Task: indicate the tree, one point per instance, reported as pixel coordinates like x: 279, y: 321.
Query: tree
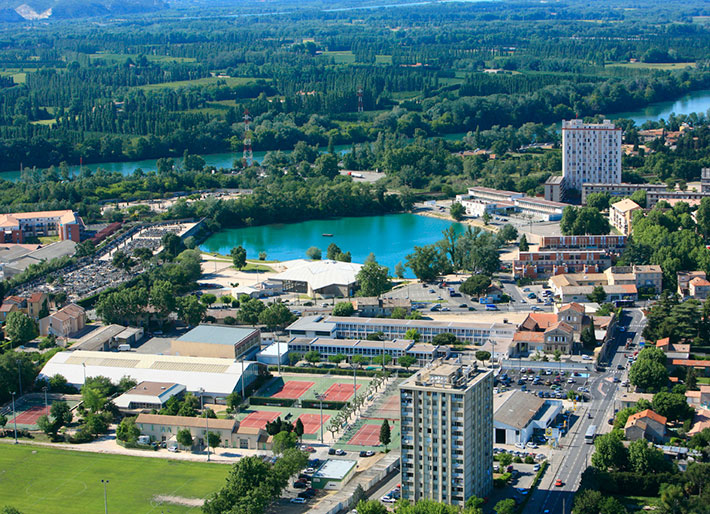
x: 523, y: 246
x: 645, y: 459
x: 691, y: 380
x: 609, y: 452
x: 162, y: 297
x: 332, y: 252
x: 337, y: 358
x: 673, y: 500
x: 3, y: 420
x: 505, y: 507
x: 385, y: 434
x: 648, y: 375
x: 444, y: 339
x: 598, y: 201
x: 583, y: 221
x: 373, y: 279
x: 184, y: 437
x: 399, y: 270
x: 370, y: 507
x: 276, y: 315
x: 557, y: 353
x: 589, y: 501
x: 213, y: 439
x: 97, y: 423
x: 505, y: 459
x: 249, y: 310
x: 61, y: 413
x: 343, y: 309
x: 312, y: 356
x: 475, y: 285
x: 127, y: 430
x: 262, y: 256
x: 379, y: 358
x: 239, y: 257
x: 313, y: 253
x: 299, y: 429
x: 486, y: 218
x: 189, y: 406
x: 672, y: 406
x: 208, y: 299
x: 508, y: 233
x: 190, y: 310
x: 20, y: 328
x: 588, y: 338
x: 406, y: 361
x: 483, y: 355
x: 284, y: 441
x: 398, y: 313
x: 233, y: 401
x: 412, y: 334
x: 359, y: 495
x: 46, y: 425
x: 457, y: 211
x: 598, y: 295
x: 93, y: 398
x: 427, y: 263
x: 327, y: 166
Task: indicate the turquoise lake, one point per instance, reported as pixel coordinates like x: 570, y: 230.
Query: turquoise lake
x: 389, y: 237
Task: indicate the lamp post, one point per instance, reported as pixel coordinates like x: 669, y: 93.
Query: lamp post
x: 105, y: 482
x: 14, y: 415
x: 46, y: 405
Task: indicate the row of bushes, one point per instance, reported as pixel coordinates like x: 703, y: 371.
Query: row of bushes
x: 267, y: 400
x: 336, y: 371
x: 621, y: 482
x: 327, y: 404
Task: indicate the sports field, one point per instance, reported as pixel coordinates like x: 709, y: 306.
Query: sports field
x: 28, y: 411
x: 37, y: 480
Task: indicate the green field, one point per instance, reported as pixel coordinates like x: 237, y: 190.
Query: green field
x: 206, y: 81
x: 40, y: 480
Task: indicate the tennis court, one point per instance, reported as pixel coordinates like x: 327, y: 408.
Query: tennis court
x: 28, y: 410
x: 259, y: 418
x: 368, y: 435
x: 340, y: 392
x: 388, y: 409
x: 311, y: 422
x: 30, y: 416
x: 293, y: 389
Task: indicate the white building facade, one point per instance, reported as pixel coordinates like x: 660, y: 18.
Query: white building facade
x: 591, y: 152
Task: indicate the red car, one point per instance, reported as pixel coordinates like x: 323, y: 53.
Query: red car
x: 558, y: 483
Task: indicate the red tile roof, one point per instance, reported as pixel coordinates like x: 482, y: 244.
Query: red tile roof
x: 688, y: 363
x: 528, y: 336
x: 648, y: 413
x: 663, y: 342
x: 574, y: 306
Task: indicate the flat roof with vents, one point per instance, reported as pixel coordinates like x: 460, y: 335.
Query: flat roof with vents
x: 214, y: 375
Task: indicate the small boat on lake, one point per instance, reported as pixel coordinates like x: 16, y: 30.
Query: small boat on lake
x: 327, y: 235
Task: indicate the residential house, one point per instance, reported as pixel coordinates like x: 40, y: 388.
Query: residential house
x: 673, y: 351
x: 7, y: 308
x: 621, y: 214
x: 646, y: 424
x: 699, y: 399
x: 37, y: 305
x: 66, y: 322
x: 627, y: 400
x: 684, y: 278
x: 699, y: 288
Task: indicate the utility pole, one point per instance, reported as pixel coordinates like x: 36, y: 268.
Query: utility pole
x: 46, y: 405
x: 320, y: 397
x: 207, y: 421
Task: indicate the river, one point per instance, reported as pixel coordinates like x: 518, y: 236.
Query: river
x: 697, y: 101
x: 389, y: 237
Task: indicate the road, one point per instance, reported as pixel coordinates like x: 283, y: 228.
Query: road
x: 569, y: 461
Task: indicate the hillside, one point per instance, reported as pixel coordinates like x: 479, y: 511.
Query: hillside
x: 21, y: 10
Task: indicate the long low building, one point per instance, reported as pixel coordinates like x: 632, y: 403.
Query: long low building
x: 211, y: 377
x: 423, y: 352
x: 545, y: 263
x: 612, y: 242
x: 518, y: 415
x: 339, y: 327
x: 483, y: 199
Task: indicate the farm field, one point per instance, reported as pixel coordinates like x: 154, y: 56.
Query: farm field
x: 206, y: 81
x: 36, y: 479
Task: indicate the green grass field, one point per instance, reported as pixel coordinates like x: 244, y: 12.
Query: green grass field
x: 206, y: 81
x: 39, y: 480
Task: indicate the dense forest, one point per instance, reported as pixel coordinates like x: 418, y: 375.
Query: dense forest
x: 150, y: 87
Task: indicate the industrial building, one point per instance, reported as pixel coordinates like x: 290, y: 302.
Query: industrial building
x: 212, y: 378
x: 447, y: 433
x: 217, y: 341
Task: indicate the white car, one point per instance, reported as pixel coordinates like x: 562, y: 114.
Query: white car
x: 520, y: 445
x: 388, y: 499
x: 531, y: 445
x: 586, y: 358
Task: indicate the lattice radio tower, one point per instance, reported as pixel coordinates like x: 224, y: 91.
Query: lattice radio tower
x: 360, y: 107
x: 248, y: 156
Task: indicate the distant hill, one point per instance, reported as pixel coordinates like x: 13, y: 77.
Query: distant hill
x: 21, y: 10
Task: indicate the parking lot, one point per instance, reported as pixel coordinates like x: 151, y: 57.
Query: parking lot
x: 545, y: 383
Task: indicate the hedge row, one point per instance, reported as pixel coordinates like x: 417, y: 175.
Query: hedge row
x: 279, y: 402
x: 327, y: 404
x: 334, y: 371
x: 621, y: 482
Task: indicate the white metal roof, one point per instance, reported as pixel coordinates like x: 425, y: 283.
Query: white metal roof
x: 217, y: 376
x: 320, y: 274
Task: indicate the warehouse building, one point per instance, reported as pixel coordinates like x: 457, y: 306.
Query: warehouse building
x: 217, y: 341
x: 326, y: 278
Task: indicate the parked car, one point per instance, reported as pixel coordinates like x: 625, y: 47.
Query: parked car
x: 331, y: 451
x: 300, y: 485
x: 340, y: 452
x: 387, y: 499
x: 298, y: 500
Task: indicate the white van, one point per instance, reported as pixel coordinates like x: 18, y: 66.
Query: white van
x: 124, y: 347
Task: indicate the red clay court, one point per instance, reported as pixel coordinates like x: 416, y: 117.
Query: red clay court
x: 340, y: 392
x: 293, y: 389
x: 311, y: 422
x: 259, y: 419
x: 368, y: 435
x: 388, y: 410
x: 30, y: 416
